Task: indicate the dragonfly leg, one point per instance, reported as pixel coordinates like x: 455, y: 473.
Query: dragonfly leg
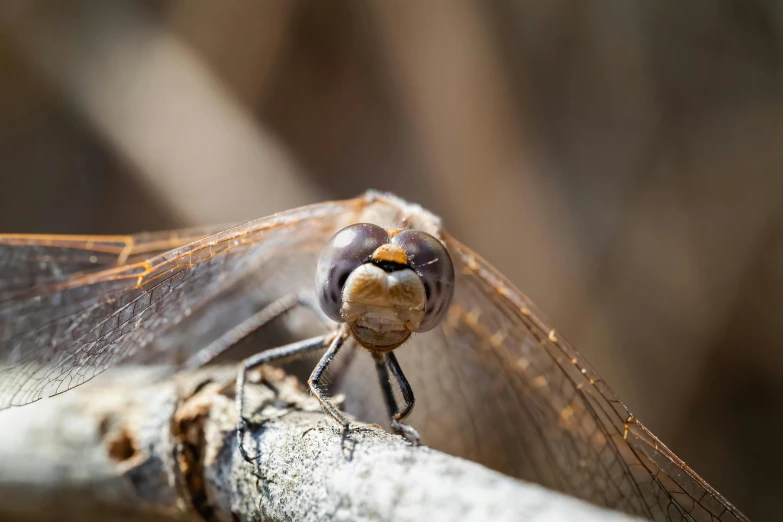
x: 384, y: 363
x: 318, y: 371
x: 312, y: 344
x: 253, y: 323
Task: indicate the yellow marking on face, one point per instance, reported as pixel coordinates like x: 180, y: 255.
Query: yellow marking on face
x: 525, y: 310
x: 390, y: 253
x: 367, y: 289
x: 405, y: 292
x: 370, y: 285
x: 393, y: 231
x: 552, y: 336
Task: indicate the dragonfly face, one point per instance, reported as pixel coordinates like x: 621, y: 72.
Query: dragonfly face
x: 494, y: 381
x: 385, y: 285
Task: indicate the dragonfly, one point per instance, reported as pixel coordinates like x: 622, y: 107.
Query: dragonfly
x: 494, y: 381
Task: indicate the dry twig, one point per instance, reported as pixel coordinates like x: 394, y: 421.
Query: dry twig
x: 132, y: 446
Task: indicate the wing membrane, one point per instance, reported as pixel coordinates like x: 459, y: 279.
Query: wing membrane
x: 67, y: 331
x: 598, y: 449
x: 29, y: 260
x: 495, y: 383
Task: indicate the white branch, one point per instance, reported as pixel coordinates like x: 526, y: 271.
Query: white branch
x: 127, y: 446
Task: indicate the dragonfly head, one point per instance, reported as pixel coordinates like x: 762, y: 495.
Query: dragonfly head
x: 384, y: 284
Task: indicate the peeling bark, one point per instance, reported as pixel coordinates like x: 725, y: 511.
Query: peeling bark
x: 131, y: 446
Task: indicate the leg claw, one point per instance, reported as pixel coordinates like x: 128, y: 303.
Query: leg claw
x: 406, y: 431
x: 346, y: 431
x: 241, y: 427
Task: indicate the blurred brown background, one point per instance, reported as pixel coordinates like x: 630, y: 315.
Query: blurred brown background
x: 620, y: 161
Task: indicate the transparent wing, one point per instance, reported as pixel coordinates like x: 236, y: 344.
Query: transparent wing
x: 28, y: 260
x: 498, y: 385
x: 64, y: 331
x: 495, y: 383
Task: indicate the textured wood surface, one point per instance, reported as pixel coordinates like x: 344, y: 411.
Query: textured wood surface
x: 135, y: 445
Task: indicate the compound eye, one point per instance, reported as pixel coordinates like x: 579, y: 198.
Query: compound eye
x: 345, y: 251
x: 431, y: 261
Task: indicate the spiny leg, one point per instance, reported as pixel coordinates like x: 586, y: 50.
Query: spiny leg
x: 383, y: 363
x: 386, y: 387
x: 270, y: 312
x: 312, y: 344
x: 315, y: 378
